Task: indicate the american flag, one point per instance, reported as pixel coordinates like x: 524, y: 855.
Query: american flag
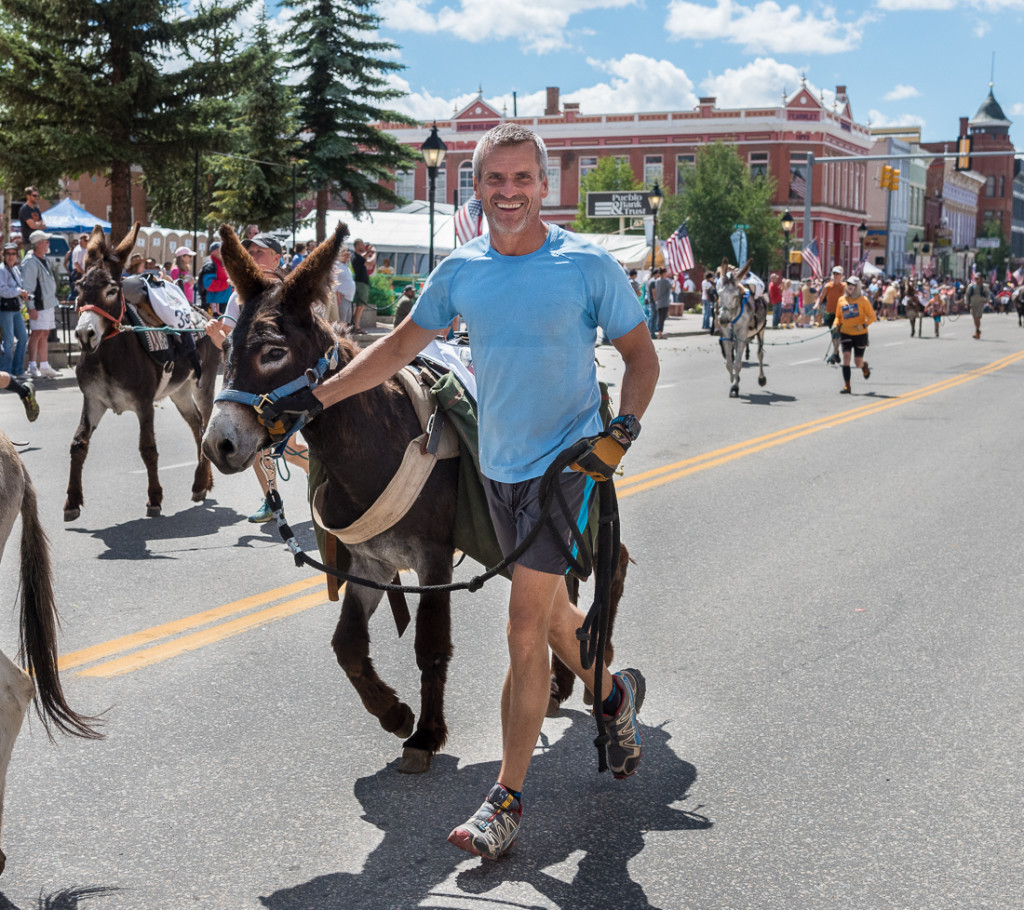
x: 678, y: 252
x: 469, y: 220
x: 864, y: 259
x: 797, y: 185
x: 1019, y: 275
x: 812, y: 258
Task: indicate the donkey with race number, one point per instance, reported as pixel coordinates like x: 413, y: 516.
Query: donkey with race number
x: 128, y: 364
x: 361, y: 444
x: 742, y: 316
x: 37, y: 623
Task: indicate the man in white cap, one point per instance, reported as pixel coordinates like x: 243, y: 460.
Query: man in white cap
x: 853, y: 316
x: 38, y: 280
x: 830, y: 293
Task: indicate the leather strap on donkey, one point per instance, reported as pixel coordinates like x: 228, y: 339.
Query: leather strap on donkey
x: 593, y: 634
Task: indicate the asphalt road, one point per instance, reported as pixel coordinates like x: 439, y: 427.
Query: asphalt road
x: 825, y: 603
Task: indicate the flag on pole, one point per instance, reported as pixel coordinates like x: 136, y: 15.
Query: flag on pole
x: 864, y: 258
x: 469, y: 220
x: 1009, y: 274
x: 678, y: 251
x: 1019, y: 275
x: 812, y: 258
x: 797, y: 185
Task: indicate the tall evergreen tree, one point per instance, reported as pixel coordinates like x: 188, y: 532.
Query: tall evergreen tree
x: 91, y: 85
x: 254, y: 183
x: 343, y: 86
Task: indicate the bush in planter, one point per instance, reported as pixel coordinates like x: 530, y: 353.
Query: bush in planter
x: 381, y: 295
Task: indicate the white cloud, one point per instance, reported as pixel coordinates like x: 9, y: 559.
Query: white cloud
x: 759, y: 83
x: 877, y: 118
x: 939, y: 5
x: 636, y: 83
x: 1017, y: 108
x: 899, y: 92
x: 981, y: 29
x: 539, y: 25
x: 765, y: 26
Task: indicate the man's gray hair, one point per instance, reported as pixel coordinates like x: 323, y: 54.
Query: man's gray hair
x: 509, y: 134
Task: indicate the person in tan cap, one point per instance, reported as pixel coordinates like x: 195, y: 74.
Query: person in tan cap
x: 854, y: 314
x: 39, y: 281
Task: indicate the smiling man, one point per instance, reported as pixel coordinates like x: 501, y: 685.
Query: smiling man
x: 533, y: 297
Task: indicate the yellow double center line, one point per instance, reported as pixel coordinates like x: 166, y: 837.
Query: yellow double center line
x: 668, y: 473
x: 123, y: 655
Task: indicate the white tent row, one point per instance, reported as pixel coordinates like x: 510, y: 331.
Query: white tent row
x: 403, y: 236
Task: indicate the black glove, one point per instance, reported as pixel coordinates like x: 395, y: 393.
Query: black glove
x: 604, y: 453
x: 281, y: 415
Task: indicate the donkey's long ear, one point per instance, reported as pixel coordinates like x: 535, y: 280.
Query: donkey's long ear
x: 124, y: 248
x: 742, y: 273
x: 246, y: 276
x: 96, y: 248
x: 309, y: 283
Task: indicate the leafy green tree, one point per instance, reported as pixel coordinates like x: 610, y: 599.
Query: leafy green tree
x: 719, y: 194
x: 254, y: 184
x: 993, y: 257
x: 88, y: 86
x: 344, y: 72
x: 610, y: 174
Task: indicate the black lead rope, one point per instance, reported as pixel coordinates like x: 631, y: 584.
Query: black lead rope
x: 593, y: 634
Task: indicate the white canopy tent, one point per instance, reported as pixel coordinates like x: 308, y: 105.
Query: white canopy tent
x: 403, y: 236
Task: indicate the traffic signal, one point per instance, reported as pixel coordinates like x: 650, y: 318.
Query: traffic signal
x: 963, y: 154
x: 885, y: 181
x: 894, y: 179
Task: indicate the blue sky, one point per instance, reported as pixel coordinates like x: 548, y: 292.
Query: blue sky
x: 923, y: 62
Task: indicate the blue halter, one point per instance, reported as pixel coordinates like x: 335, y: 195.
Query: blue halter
x: 310, y: 379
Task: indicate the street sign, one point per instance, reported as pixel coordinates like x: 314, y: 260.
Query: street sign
x: 988, y: 243
x: 618, y: 204
x: 741, y: 227
x: 796, y: 256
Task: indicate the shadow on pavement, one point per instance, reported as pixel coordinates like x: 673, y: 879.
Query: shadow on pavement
x: 572, y: 817
x: 66, y: 899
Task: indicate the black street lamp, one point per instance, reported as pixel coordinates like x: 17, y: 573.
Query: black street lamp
x: 655, y: 197
x: 862, y: 232
x: 917, y: 250
x: 787, y: 229
x: 433, y: 151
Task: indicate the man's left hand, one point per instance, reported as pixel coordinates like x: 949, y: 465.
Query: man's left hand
x: 281, y: 415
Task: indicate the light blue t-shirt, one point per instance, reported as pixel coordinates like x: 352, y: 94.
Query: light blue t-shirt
x: 532, y: 324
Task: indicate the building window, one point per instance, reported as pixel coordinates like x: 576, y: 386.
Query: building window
x: 758, y: 164
x: 798, y: 176
x: 587, y: 165
x: 654, y: 169
x: 1002, y: 187
x: 441, y: 185
x: 990, y: 187
x: 465, y: 182
x: 554, y: 196
x: 684, y: 167
x: 405, y: 185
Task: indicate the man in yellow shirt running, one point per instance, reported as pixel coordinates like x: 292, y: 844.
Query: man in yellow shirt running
x: 854, y: 314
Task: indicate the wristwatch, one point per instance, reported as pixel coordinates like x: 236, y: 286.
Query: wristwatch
x: 628, y: 423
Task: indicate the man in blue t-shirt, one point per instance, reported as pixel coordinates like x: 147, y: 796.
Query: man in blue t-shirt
x: 533, y: 297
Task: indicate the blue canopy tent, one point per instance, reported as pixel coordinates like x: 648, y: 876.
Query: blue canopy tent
x: 68, y: 215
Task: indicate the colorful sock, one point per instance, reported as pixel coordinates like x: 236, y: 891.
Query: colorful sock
x: 610, y: 705
x: 510, y: 791
x: 846, y: 375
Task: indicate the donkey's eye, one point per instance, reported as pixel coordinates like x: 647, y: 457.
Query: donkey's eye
x: 273, y: 355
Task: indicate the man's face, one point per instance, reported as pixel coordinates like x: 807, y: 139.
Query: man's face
x: 41, y: 248
x: 33, y: 198
x: 82, y: 241
x: 265, y: 258
x: 359, y: 247
x: 511, y: 188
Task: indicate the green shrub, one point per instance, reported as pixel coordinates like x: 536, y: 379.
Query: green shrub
x: 381, y: 295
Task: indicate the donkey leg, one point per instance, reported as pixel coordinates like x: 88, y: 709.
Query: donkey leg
x: 351, y: 644
x: 16, y: 691
x: 92, y: 413
x: 184, y: 401
x: 150, y: 458
x: 433, y: 653
x: 761, y: 380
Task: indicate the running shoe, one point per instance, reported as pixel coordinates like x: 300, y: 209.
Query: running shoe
x: 29, y: 401
x: 49, y: 372
x: 263, y: 514
x: 495, y: 826
x: 846, y: 390
x: 625, y: 747
x: 866, y: 370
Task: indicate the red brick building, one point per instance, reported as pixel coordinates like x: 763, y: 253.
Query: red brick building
x: 773, y: 140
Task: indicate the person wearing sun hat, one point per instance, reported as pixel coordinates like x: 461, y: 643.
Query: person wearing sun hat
x: 181, y: 271
x: 831, y: 292
x: 39, y: 281
x: 854, y: 314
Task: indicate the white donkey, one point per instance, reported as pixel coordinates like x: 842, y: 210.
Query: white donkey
x: 741, y: 315
x: 38, y: 624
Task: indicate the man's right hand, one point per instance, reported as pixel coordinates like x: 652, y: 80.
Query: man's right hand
x: 281, y: 415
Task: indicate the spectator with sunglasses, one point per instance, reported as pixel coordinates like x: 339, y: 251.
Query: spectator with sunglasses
x: 29, y: 215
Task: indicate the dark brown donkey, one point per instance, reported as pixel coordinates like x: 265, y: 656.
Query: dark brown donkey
x: 360, y: 442
x: 116, y: 373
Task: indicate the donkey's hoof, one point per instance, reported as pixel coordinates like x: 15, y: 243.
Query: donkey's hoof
x: 762, y: 381
x: 199, y: 496
x: 415, y: 761
x: 71, y: 514
x: 399, y: 720
x: 152, y: 511
x: 553, y: 706
x: 734, y: 393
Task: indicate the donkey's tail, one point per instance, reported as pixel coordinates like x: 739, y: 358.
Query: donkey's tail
x: 39, y: 626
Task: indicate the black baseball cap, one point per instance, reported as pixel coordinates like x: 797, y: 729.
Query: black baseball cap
x: 266, y: 241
